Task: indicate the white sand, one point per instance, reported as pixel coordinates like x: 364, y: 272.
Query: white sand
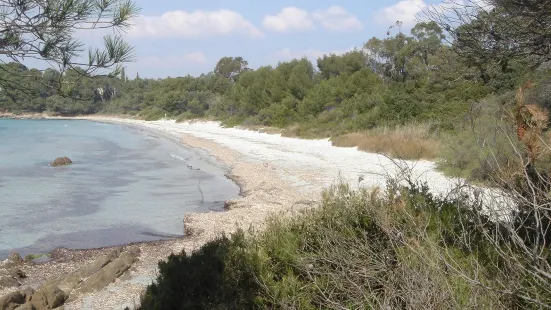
x: 277, y: 175
x: 311, y: 163
x: 316, y: 164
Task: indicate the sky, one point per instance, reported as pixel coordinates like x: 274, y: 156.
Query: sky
x: 181, y: 37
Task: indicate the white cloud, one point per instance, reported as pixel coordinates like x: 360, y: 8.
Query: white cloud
x: 288, y: 54
x: 404, y: 11
x: 193, y: 25
x: 196, y: 58
x: 335, y: 19
x: 312, y: 54
x: 407, y: 11
x: 289, y: 19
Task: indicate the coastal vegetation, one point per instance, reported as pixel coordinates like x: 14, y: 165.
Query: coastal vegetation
x: 398, y: 248
x: 467, y: 85
x: 404, y: 247
x: 401, y: 249
x: 370, y: 97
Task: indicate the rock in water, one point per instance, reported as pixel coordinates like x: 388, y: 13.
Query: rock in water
x: 61, y: 161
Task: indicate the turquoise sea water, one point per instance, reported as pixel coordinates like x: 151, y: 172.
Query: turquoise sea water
x: 125, y: 185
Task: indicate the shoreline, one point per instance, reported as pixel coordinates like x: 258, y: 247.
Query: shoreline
x: 68, y: 254
x: 276, y: 175
x: 199, y: 227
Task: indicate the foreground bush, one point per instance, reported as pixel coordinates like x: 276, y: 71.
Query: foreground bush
x: 404, y: 249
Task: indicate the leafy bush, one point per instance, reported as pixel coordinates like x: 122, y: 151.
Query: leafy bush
x: 220, y: 275
x: 153, y: 114
x: 481, y: 149
x: 406, y: 248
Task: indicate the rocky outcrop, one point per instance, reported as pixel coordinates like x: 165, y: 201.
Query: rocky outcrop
x: 12, y: 301
x: 26, y: 306
x: 54, y: 293
x: 48, y: 297
x: 109, y: 273
x: 233, y: 204
x: 22, y: 116
x: 229, y: 204
x: 19, y: 300
x: 61, y: 161
x: 10, y: 276
x: 7, y: 282
x: 16, y: 273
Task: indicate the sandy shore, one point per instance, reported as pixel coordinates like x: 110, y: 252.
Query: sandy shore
x: 276, y: 174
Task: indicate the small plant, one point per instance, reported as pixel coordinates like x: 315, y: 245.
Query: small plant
x: 32, y: 257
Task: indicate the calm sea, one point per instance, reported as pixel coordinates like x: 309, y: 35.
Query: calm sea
x: 125, y: 185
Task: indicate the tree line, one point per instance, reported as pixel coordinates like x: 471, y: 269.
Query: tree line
x: 431, y: 74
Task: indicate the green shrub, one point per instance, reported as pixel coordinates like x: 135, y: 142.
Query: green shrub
x: 153, y: 114
x: 406, y: 249
x: 220, y: 275
x: 484, y: 147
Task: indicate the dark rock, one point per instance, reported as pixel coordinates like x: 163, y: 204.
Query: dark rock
x: 228, y: 204
x: 48, y: 297
x: 12, y: 301
x: 17, y: 273
x: 61, y: 161
x: 28, y: 293
x: 8, y: 282
x: 233, y: 204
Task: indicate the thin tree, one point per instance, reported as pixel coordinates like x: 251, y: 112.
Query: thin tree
x: 490, y: 34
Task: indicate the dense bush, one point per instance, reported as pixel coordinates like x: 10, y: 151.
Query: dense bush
x: 405, y: 249
x: 354, y: 91
x: 220, y: 275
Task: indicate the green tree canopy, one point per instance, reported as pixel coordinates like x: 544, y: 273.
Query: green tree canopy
x: 231, y: 67
x: 493, y: 34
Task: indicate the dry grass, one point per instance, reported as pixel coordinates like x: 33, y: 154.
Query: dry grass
x: 408, y: 142
x: 293, y: 131
x: 262, y: 129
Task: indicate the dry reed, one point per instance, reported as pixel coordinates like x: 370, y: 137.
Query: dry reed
x: 407, y: 142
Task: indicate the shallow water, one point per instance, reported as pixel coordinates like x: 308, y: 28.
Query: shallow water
x: 126, y: 185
